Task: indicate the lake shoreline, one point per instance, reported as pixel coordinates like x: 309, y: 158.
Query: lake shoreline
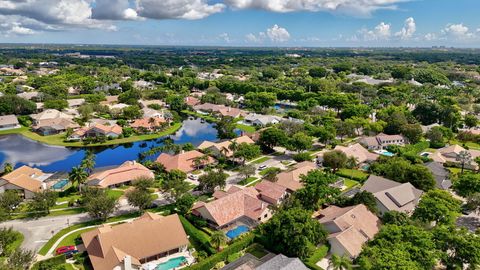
x: 57, y: 140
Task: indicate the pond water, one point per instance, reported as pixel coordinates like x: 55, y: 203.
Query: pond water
x: 19, y: 150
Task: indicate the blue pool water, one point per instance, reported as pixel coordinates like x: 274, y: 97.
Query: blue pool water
x: 60, y: 184
x: 233, y: 233
x: 385, y: 153
x: 19, y: 150
x: 171, y: 264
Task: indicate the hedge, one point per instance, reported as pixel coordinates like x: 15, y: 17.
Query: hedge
x: 197, y: 237
x: 320, y: 253
x: 50, y: 263
x: 210, y: 262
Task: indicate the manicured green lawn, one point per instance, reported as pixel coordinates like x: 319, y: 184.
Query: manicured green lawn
x: 247, y: 181
x: 352, y: 174
x: 115, y: 193
x: 58, y: 138
x: 49, y: 244
x: 319, y: 254
x: 260, y: 160
x: 350, y: 183
x: 72, y: 239
x: 246, y: 128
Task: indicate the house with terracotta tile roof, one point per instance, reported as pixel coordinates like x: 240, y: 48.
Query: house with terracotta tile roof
x: 121, y: 175
x: 271, y: 192
x: 132, y: 245
x: 236, y: 205
x: 391, y: 195
x: 26, y: 180
x: 185, y: 161
x: 291, y: 179
x: 220, y: 109
x: 223, y: 148
x: 358, y: 152
x: 192, y: 101
x: 349, y: 228
x: 149, y: 124
x: 95, y: 130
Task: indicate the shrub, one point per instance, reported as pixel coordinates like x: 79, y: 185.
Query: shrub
x: 236, y: 247
x: 300, y: 157
x: 197, y: 236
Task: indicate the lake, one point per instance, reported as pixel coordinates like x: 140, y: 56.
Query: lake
x: 19, y: 150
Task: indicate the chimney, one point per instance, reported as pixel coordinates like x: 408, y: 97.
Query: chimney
x: 127, y: 263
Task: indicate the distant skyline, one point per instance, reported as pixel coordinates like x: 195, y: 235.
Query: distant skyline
x: 259, y: 23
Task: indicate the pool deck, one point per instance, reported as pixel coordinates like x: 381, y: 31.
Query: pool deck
x: 186, y: 254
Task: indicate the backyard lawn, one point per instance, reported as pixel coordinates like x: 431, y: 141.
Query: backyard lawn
x: 260, y: 160
x: 352, y: 174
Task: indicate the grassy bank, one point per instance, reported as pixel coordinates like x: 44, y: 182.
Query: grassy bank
x: 58, y: 138
x: 212, y: 119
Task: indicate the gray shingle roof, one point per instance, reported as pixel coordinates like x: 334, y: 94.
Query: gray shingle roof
x: 282, y: 262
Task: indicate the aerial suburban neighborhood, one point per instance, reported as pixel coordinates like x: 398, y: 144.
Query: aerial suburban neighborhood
x: 245, y: 149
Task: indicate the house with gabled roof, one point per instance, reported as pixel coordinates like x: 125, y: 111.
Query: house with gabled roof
x: 450, y: 154
x: 382, y: 141
x: 8, y: 122
x: 124, y: 174
x: 26, y: 180
x: 134, y: 244
x: 440, y: 174
x: 184, y: 161
x: 223, y: 147
x: 291, y: 179
x: 358, y: 152
x: 391, y: 195
x: 237, y: 204
x: 349, y: 228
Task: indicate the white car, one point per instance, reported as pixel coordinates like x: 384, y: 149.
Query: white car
x: 193, y: 177
x: 262, y: 167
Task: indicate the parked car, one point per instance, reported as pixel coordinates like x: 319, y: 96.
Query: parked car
x: 65, y: 249
x: 70, y: 254
x: 193, y: 177
x: 262, y: 167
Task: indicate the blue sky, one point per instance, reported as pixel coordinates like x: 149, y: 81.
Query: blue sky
x: 315, y: 23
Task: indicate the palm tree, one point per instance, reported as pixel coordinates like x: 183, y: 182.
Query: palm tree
x: 7, y: 168
x: 465, y: 158
x: 218, y: 239
x: 78, y: 175
x: 88, y: 162
x: 340, y: 263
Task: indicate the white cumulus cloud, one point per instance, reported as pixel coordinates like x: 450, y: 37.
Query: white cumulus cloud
x: 350, y: 7
x: 177, y: 9
x: 278, y: 34
x: 381, y: 32
x: 408, y: 29
x: 458, y: 31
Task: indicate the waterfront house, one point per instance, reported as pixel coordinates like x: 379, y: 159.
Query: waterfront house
x: 348, y: 227
x: 124, y: 174
x: 391, y: 195
x: 149, y: 124
x: 130, y: 245
x: 26, y: 180
x: 109, y: 131
x: 223, y: 148
x: 8, y: 122
x: 185, y: 161
x: 49, y: 114
x: 54, y: 126
x: 191, y: 101
x: 238, y: 205
x: 261, y: 120
x: 291, y: 179
x: 222, y: 110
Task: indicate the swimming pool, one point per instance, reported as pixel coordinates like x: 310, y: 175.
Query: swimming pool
x: 233, y: 233
x: 172, y: 263
x: 60, y: 184
x: 385, y: 153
